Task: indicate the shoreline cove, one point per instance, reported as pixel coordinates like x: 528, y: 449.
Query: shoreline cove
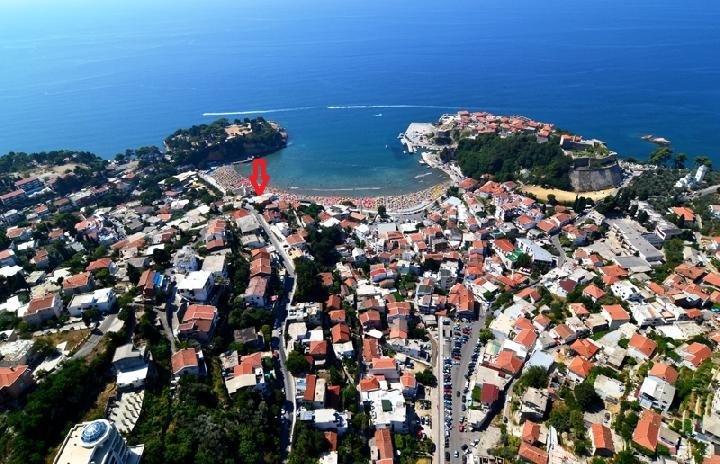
x: 230, y: 179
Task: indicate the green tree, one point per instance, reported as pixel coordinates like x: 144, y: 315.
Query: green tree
x: 427, y: 378
x: 703, y: 161
x: 296, y: 363
x: 679, y: 160
x: 586, y: 396
x: 560, y: 417
x: 660, y: 156
x: 535, y: 377
x: 382, y: 211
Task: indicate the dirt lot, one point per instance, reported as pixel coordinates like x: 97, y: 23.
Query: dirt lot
x: 73, y: 337
x: 564, y: 196
x: 46, y: 172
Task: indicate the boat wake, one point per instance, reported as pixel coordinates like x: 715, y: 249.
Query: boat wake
x: 274, y: 110
x: 331, y: 107
x: 360, y: 107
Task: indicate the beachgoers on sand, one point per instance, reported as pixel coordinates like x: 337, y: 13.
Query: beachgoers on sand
x: 233, y: 181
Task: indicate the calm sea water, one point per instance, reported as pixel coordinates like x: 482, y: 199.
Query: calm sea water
x: 104, y: 76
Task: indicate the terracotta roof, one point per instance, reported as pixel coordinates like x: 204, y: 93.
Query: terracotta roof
x: 584, y: 348
x: 408, y: 380
x: 10, y: 375
x: 337, y: 315
x: 370, y: 349
x: 384, y: 445
x: 580, y: 366
x: 370, y: 383
x: 318, y: 348
x: 490, y: 393
x: 504, y: 245
x: 697, y: 353
x: 200, y: 312
x: 184, y: 358
x: 530, y: 432
x: 643, y: 344
x: 646, y: 431
x: 340, y: 333
x: 41, y: 303
x: 616, y: 312
x: 102, y: 263
x: 665, y: 372
x: 602, y: 437
x: 594, y: 291
x: 384, y: 362
x: 78, y: 280
x: 310, y: 383
x: 331, y: 437
x: 526, y: 338
x: 578, y: 309
x: 532, y: 454
x: 508, y: 362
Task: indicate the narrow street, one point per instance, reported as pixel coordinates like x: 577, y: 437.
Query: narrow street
x: 562, y: 257
x: 289, y: 418
x: 94, y: 339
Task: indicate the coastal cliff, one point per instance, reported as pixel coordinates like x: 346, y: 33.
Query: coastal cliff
x: 225, y: 141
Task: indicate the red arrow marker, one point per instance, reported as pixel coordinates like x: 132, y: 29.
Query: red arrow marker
x: 259, y: 177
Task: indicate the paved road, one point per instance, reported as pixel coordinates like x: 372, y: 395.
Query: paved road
x: 562, y: 257
x: 94, y: 339
x: 288, y: 426
x: 702, y: 192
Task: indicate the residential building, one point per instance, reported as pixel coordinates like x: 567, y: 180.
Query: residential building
x: 44, y: 308
x: 97, y: 442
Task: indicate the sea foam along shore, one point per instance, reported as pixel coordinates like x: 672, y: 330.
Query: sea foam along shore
x: 230, y: 179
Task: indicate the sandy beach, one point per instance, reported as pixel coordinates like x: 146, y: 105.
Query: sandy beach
x: 230, y: 179
x: 565, y: 196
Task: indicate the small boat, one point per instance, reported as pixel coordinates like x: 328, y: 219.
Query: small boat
x: 379, y: 115
x: 249, y: 160
x: 660, y: 141
x: 657, y: 140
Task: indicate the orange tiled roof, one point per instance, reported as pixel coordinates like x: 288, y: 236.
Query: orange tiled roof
x: 646, y: 431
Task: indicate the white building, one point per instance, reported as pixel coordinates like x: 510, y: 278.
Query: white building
x: 626, y: 291
x: 387, y: 409
x: 102, y: 299
x: 185, y: 260
x: 196, y: 286
x: 656, y: 393
x: 97, y: 442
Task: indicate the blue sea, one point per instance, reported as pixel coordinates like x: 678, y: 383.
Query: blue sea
x: 345, y: 77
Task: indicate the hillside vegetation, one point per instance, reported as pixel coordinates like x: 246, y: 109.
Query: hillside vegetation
x: 504, y: 158
x: 204, y: 143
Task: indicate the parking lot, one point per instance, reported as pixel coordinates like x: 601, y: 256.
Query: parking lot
x: 461, y: 355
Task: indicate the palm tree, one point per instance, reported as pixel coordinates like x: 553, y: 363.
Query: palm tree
x: 679, y: 160
x: 660, y: 156
x: 703, y: 160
